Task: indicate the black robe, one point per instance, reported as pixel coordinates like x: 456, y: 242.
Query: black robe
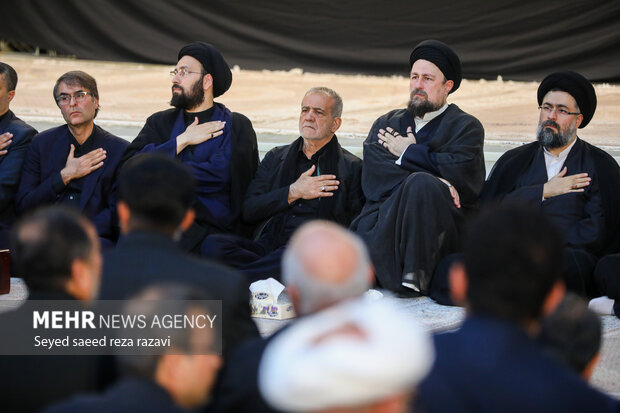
x: 243, y: 163
x: 589, y: 219
x: 409, y: 221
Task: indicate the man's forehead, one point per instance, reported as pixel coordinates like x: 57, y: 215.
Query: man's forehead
x: 317, y: 100
x: 424, y: 67
x: 560, y: 98
x: 189, y: 62
x: 64, y: 87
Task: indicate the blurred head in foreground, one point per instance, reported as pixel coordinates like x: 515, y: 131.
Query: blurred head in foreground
x: 357, y: 356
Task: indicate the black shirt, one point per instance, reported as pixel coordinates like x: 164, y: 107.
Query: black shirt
x: 73, y: 190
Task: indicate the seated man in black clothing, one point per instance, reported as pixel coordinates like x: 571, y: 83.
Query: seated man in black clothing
x: 155, y: 195
x: 312, y: 178
x: 219, y: 146
x: 57, y: 253
x: 75, y: 164
x: 423, y: 172
x: 574, y: 183
x: 179, y: 381
x: 15, y: 136
x: 511, y: 279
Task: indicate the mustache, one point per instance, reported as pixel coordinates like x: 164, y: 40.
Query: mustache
x: 417, y: 92
x: 549, y: 122
x: 177, y: 87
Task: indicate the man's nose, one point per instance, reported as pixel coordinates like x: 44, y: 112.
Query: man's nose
x: 553, y: 114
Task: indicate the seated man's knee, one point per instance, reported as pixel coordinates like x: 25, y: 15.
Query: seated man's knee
x: 215, y: 245
x: 421, y: 180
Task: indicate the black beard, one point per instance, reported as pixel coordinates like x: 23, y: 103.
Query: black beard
x: 418, y: 108
x: 550, y: 139
x: 190, y: 100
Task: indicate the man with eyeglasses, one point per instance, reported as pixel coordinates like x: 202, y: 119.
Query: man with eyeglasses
x: 75, y: 164
x: 15, y: 137
x: 219, y: 146
x: 573, y: 182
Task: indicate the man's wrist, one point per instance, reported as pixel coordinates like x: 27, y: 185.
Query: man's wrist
x: 292, y: 196
x: 181, y: 144
x: 65, y: 176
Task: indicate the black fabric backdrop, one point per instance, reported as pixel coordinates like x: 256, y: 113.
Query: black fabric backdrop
x: 522, y: 40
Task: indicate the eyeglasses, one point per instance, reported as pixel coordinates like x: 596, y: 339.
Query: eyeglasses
x: 547, y: 110
x: 182, y: 72
x: 64, y: 99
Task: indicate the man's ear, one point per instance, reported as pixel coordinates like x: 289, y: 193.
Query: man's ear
x: 458, y: 284
x: 336, y: 124
x: 588, y: 371
x: 554, y: 297
x: 293, y: 294
x: 11, y: 95
x: 449, y: 85
x: 188, y: 219
x: 167, y: 371
x: 124, y: 214
x: 579, y: 120
x: 371, y: 275
x: 81, y: 284
x: 207, y: 81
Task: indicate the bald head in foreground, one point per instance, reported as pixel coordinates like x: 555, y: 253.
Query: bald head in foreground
x: 324, y: 265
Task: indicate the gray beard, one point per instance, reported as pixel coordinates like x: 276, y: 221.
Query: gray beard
x: 550, y: 139
x: 418, y: 108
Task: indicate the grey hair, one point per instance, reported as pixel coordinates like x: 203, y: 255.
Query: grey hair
x: 337, y: 108
x: 315, y: 293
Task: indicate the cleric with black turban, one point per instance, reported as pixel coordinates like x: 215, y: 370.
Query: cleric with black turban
x: 572, y: 181
x: 423, y: 171
x: 217, y: 145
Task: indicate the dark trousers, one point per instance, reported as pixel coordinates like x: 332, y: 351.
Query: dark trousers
x: 578, y: 272
x: 258, y: 260
x: 607, y: 278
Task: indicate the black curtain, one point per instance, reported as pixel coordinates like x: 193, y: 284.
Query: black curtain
x: 521, y: 40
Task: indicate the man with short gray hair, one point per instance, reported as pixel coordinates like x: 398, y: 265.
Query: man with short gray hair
x: 324, y: 265
x: 313, y: 177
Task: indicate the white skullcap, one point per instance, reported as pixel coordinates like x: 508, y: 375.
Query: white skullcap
x: 352, y: 354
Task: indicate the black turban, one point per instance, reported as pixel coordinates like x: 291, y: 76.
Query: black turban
x: 575, y: 85
x: 213, y: 63
x: 441, y: 56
